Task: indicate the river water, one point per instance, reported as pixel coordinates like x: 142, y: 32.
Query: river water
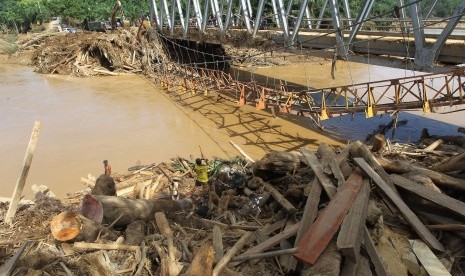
x: 128, y: 121
x: 85, y: 121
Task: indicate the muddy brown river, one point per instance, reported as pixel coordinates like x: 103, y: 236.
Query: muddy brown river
x: 129, y: 121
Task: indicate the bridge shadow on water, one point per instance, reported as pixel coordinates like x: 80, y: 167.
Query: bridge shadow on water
x: 357, y: 127
x: 256, y: 131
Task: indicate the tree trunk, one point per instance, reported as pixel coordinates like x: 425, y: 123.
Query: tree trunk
x: 138, y: 209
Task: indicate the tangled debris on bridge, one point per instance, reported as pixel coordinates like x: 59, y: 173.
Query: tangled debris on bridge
x: 329, y: 212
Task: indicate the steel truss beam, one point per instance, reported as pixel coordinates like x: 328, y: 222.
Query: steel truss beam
x: 362, y: 16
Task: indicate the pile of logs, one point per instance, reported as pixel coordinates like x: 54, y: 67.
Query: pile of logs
x: 328, y: 212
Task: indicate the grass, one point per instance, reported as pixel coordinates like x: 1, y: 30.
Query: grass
x: 8, y: 44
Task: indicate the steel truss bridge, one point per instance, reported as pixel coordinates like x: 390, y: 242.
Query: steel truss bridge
x: 417, y: 92
x: 222, y: 16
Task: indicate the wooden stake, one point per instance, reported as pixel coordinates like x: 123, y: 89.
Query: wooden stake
x: 22, y: 178
x: 241, y: 151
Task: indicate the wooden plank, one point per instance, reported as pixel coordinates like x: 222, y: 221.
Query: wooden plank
x: 371, y: 250
x: 351, y: 233
x: 309, y: 215
x: 409, y: 216
x: 16, y: 197
x: 313, y: 162
x: 326, y: 225
x: 429, y: 261
x: 267, y: 244
x: 443, y: 200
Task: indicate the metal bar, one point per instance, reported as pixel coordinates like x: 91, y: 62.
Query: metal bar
x: 205, y: 15
x: 258, y: 18
x: 216, y: 10
x: 418, y: 32
x: 341, y: 49
x: 448, y: 29
x: 289, y: 7
x: 282, y: 18
x: 275, y: 14
x: 322, y: 13
x: 347, y: 12
x: 162, y: 11
x: 188, y: 15
x: 198, y: 14
x: 308, y: 17
x: 360, y: 18
x: 246, y: 16
x: 155, y: 12
x: 228, y: 16
x: 433, y: 5
x: 303, y: 7
x: 181, y: 15
x: 249, y: 9
x: 402, y: 15
x: 173, y: 10
x: 167, y: 13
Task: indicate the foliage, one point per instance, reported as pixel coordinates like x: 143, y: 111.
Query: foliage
x: 23, y: 13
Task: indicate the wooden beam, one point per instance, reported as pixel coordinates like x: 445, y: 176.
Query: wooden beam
x: 429, y: 261
x: 326, y: 225
x: 393, y: 197
x: 313, y: 162
x: 443, y: 200
x: 24, y: 172
x: 371, y: 250
x: 309, y: 215
x: 351, y: 233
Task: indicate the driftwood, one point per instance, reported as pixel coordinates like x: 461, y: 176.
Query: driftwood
x: 454, y: 163
x: 9, y: 266
x: 276, y: 163
x: 400, y: 167
x: 324, y: 180
x: 393, y: 197
x: 218, y: 243
x: 174, y: 267
x: 328, y: 157
x: 231, y: 253
x: 279, y: 198
x: 69, y: 226
x: 241, y: 151
x: 104, y: 246
x: 138, y: 209
x: 434, y: 145
x: 16, y: 197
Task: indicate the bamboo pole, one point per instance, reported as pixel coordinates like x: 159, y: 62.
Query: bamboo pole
x: 22, y: 178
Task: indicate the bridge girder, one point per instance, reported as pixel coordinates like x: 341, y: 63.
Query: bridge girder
x: 211, y: 13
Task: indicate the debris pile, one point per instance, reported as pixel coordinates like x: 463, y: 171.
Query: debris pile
x: 397, y: 211
x: 90, y: 53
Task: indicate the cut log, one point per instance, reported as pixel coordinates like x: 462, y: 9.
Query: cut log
x: 231, y: 253
x: 16, y: 197
x: 393, y: 197
x: 202, y: 265
x: 138, y: 209
x: 401, y: 167
x: 379, y: 142
x: 279, y: 198
x: 326, y: 225
x: 454, y: 163
x: 351, y: 233
x: 68, y: 226
x: 443, y: 200
x: 324, y: 180
x: 429, y: 261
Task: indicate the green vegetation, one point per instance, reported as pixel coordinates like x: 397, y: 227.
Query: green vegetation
x: 8, y: 45
x: 21, y: 14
